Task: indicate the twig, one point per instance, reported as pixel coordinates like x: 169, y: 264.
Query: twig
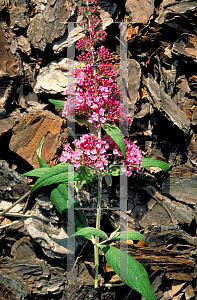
x: 15, y: 203
x: 10, y: 224
x: 16, y: 215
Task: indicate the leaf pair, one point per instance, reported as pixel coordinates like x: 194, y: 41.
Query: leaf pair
x: 125, y: 266
x: 88, y: 232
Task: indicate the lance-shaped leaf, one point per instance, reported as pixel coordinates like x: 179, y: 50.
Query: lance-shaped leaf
x: 82, y: 119
x: 44, y: 167
x: 129, y: 235
x: 59, y: 197
x: 36, y: 172
x: 58, y: 103
x: 42, y: 163
x: 89, y: 231
x: 129, y: 270
x: 116, y: 134
x: 85, y: 174
x: 56, y: 174
x: 150, y: 162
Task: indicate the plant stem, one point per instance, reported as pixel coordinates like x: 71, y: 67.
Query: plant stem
x: 98, y: 219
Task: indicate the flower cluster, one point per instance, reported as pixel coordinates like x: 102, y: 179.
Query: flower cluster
x: 90, y: 151
x: 133, y: 155
x: 95, y: 97
x: 92, y: 10
x: 86, y: 43
x: 89, y: 1
x: 101, y: 54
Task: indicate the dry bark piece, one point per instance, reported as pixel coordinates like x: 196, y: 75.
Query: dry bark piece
x: 163, y: 102
x: 194, y: 116
x: 189, y: 292
x: 170, y: 8
x: 181, y: 184
x: 144, y: 111
x: 9, y: 58
x: 23, y: 44
x: 3, y: 4
x: 5, y: 91
x: 12, y: 186
x: 49, y: 22
x: 192, y: 150
x: 134, y: 79
x: 80, y: 288
x: 29, y: 132
x: 6, y: 125
x: 140, y: 11
x: 178, y: 212
x: 177, y: 286
x: 48, y: 233
x: 54, y: 77
x: 147, y: 206
x: 23, y: 249
x: 13, y: 288
x: 186, y: 47
x: 170, y: 237
x: 18, y: 12
x: 31, y: 276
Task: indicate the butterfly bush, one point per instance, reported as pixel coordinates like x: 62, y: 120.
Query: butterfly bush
x: 97, y: 97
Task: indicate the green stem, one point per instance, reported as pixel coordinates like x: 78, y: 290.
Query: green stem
x: 98, y: 219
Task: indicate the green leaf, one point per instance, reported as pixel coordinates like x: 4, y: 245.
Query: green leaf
x: 130, y: 271
x: 89, y: 231
x: 58, y: 103
x: 59, y: 197
x: 130, y: 235
x: 85, y: 174
x: 56, y: 174
x: 36, y: 172
x: 150, y: 162
x: 42, y: 164
x: 114, y: 171
x: 116, y: 134
x: 80, y: 220
x: 108, y: 180
x: 82, y: 119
